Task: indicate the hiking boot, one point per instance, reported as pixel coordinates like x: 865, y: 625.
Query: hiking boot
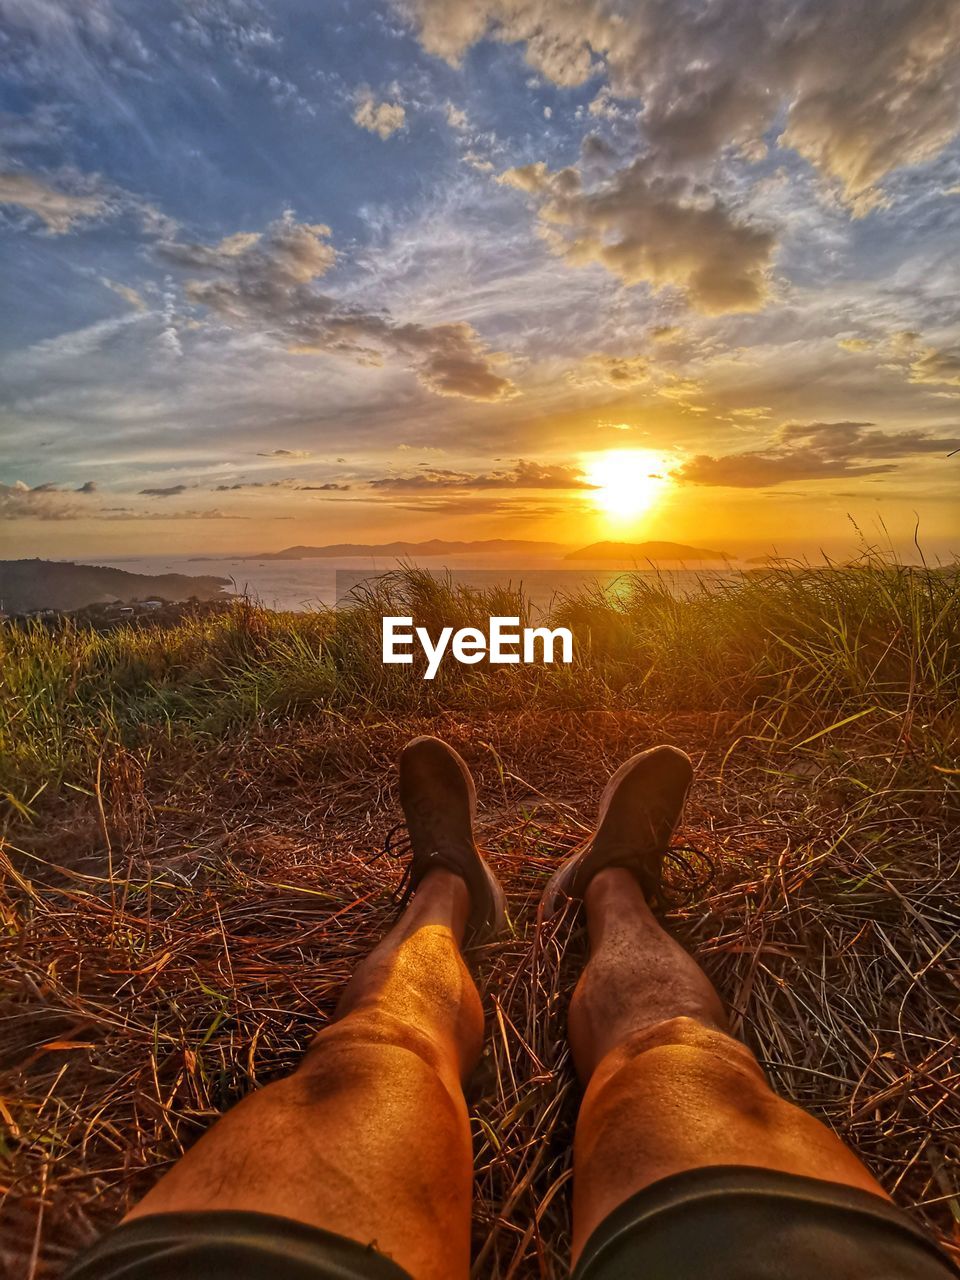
x: 639, y: 812
x: 439, y: 803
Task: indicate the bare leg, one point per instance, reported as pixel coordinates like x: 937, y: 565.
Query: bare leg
x: 667, y: 1088
x: 369, y: 1137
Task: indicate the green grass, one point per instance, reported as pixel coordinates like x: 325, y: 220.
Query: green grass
x: 792, y: 650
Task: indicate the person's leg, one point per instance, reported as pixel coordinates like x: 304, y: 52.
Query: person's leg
x: 369, y: 1137
x: 667, y: 1089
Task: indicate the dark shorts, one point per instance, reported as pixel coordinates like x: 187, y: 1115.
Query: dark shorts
x: 718, y: 1223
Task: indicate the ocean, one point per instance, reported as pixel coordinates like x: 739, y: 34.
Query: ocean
x: 301, y: 585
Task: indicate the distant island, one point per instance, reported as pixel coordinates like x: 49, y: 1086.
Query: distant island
x: 632, y: 551
x: 30, y: 585
x: 435, y: 547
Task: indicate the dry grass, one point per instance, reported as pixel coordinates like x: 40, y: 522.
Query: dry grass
x: 192, y: 865
x: 243, y: 883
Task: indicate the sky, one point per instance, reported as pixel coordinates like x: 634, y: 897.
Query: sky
x: 310, y: 271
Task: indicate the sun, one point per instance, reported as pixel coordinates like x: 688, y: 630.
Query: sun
x: 628, y: 481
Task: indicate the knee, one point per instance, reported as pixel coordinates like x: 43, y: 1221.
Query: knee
x: 677, y: 1081
x: 371, y: 1076
x: 690, y: 1033
x: 687, y: 1053
x: 374, y: 1051
x: 370, y: 1034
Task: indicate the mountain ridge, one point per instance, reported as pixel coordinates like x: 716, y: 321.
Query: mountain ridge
x: 432, y: 547
x: 645, y: 551
x: 64, y: 585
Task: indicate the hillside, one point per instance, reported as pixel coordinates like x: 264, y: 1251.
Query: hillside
x: 26, y: 585
x: 435, y: 547
x: 632, y: 551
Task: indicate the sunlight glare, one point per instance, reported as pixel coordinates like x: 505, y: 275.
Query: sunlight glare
x: 629, y: 481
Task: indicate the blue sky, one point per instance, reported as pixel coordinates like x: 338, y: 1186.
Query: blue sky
x: 282, y: 272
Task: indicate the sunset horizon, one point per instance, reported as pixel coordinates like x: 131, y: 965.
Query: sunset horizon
x: 280, y: 275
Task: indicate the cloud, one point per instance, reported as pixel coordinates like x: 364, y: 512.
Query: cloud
x: 758, y: 470
x: 170, y: 491
x: 679, y: 388
x: 653, y: 228
x: 77, y: 46
x: 752, y: 411
x: 814, y: 451
x: 239, y: 30
x: 478, y: 162
x: 524, y: 475
x: 452, y: 363
x: 613, y: 371
x: 605, y: 107
x: 207, y: 513
x: 265, y: 282
x: 48, y: 501
x: 939, y: 368
x: 895, y: 104
x: 18, y: 501
x: 289, y: 484
x: 558, y: 46
x: 901, y: 350
x: 43, y: 125
x: 708, y: 78
x: 289, y: 254
x: 88, y: 199
x: 456, y: 116
x: 381, y: 118
x: 843, y: 439
x: 125, y: 292
x: 595, y: 150
x: 462, y: 504
x: 58, y: 210
x: 285, y: 453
